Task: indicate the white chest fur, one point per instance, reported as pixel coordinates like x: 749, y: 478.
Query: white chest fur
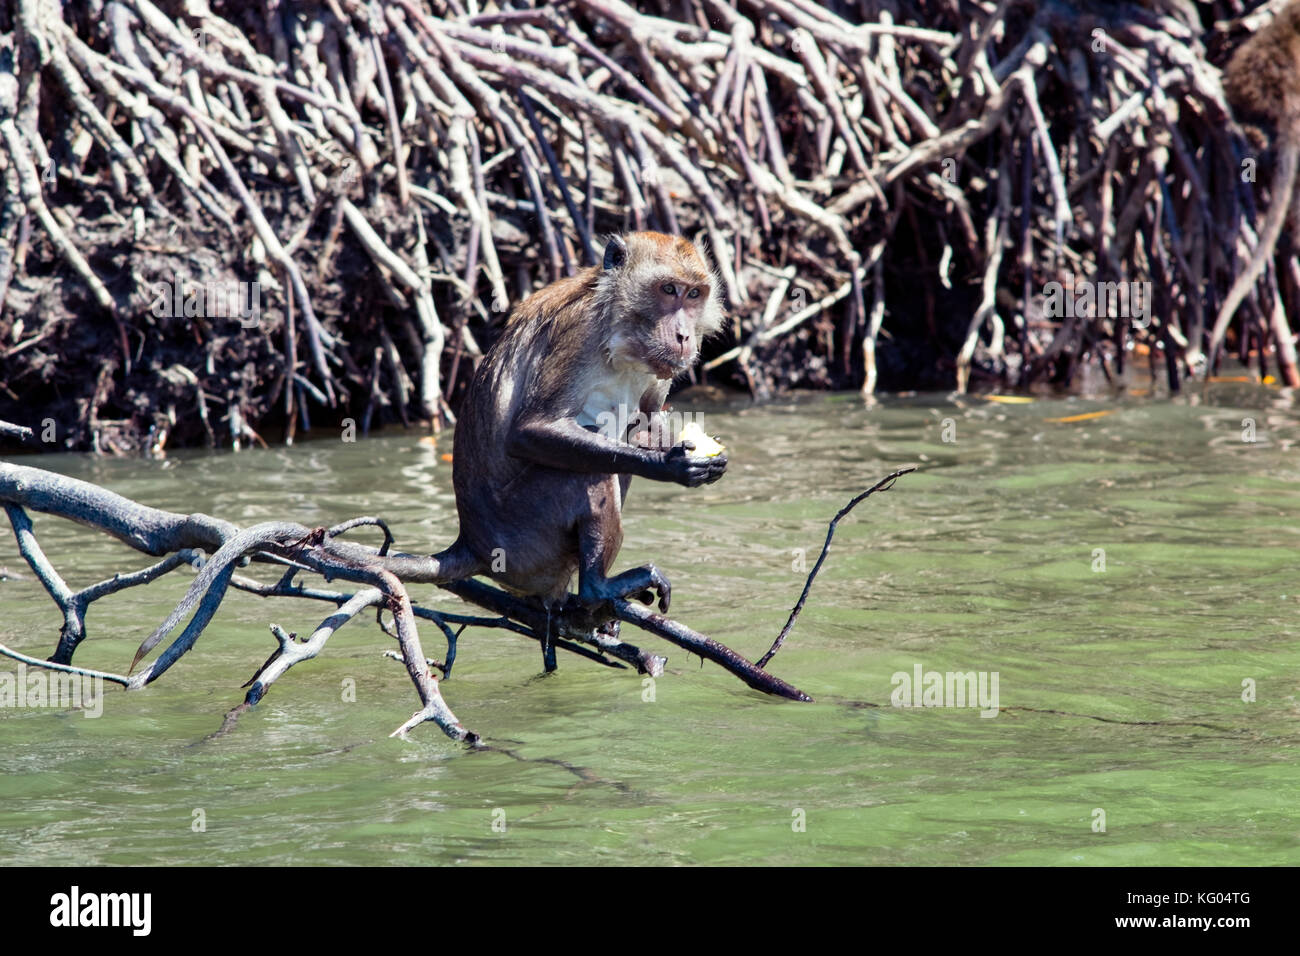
x: 613, y: 405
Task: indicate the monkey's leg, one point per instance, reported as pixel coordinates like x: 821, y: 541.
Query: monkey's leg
x: 600, y: 534
x: 639, y: 583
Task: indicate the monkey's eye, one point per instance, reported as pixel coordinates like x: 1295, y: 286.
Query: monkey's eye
x: 669, y: 289
x: 693, y: 294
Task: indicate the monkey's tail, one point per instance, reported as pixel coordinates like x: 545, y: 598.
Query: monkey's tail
x: 1278, y: 210
x: 456, y: 562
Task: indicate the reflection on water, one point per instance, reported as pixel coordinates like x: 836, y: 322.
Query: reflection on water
x: 1122, y: 688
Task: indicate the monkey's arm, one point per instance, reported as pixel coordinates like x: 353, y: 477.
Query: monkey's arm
x: 564, y: 444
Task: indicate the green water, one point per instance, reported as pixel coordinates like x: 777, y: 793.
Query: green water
x: 982, y: 561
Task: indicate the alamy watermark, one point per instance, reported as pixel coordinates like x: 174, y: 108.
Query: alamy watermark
x: 217, y: 299
x: 951, y: 689
x: 38, y: 687
x: 626, y: 424
x: 1085, y: 299
x: 75, y: 908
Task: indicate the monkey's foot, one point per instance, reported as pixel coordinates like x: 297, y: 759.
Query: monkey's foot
x: 639, y: 583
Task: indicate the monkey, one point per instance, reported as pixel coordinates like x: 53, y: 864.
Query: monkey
x: 1262, y: 81
x: 539, y: 473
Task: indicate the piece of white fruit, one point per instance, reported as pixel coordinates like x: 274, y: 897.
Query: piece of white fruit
x: 705, y: 447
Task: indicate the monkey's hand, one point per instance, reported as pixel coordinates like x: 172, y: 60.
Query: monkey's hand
x: 683, y: 466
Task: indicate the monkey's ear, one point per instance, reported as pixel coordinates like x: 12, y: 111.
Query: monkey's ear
x: 615, y: 252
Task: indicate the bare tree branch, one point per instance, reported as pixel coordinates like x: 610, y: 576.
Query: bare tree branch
x: 588, y: 632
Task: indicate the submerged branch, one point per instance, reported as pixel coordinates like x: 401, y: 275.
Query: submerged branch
x: 588, y: 632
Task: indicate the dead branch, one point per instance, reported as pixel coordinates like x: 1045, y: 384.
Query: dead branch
x: 296, y: 551
x: 883, y: 484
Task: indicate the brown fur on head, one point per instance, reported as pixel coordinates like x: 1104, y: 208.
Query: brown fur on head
x: 661, y: 300
x: 614, y: 320
x: 617, y: 319
x: 1262, y: 79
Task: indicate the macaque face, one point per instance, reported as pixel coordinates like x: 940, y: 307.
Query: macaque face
x: 672, y: 338
x: 666, y: 301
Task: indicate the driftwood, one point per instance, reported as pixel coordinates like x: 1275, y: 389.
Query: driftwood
x: 396, y: 175
x: 379, y: 574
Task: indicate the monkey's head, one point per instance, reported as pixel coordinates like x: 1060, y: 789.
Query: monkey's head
x: 661, y: 299
x: 1262, y: 80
